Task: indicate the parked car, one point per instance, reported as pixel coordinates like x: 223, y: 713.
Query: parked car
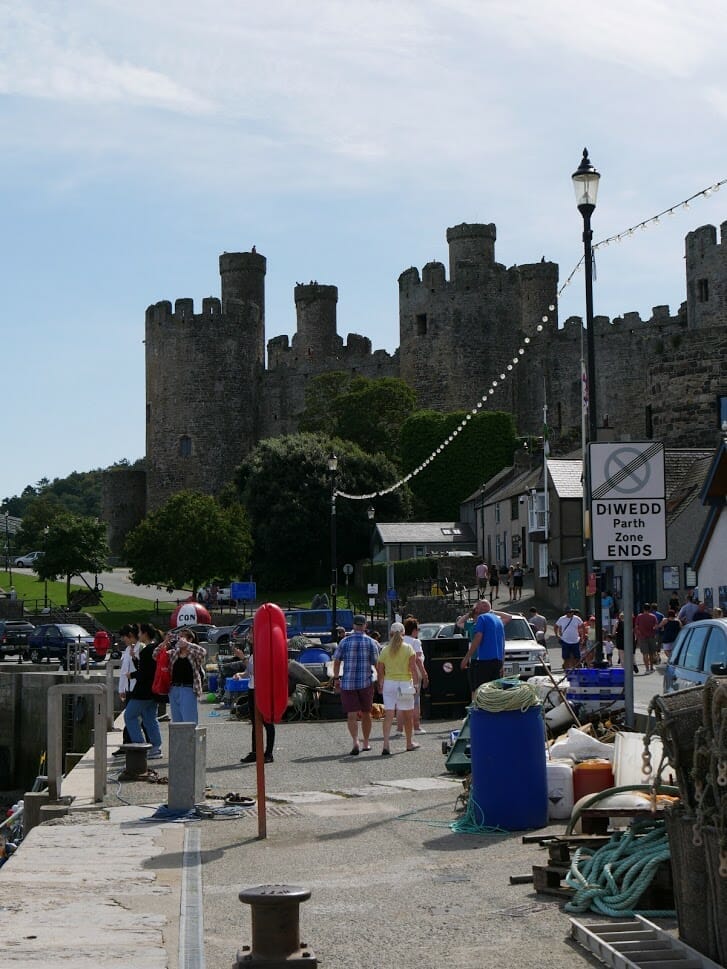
x: 524, y: 655
x: 27, y: 561
x: 51, y: 641
x: 14, y: 637
x: 437, y: 630
x: 238, y: 636
x: 699, y: 650
x: 201, y: 630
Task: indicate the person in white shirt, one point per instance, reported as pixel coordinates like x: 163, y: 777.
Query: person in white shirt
x: 411, y: 630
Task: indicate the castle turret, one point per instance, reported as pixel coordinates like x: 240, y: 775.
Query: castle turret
x: 243, y: 280
x: 706, y: 261
x: 315, y: 307
x: 471, y: 253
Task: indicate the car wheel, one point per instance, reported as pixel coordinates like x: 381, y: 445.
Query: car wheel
x: 34, y: 656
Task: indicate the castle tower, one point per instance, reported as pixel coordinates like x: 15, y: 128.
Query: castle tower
x: 315, y: 307
x: 471, y: 253
x: 706, y: 263
x: 203, y: 373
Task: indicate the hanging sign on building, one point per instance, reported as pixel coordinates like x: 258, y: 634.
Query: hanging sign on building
x: 628, y: 506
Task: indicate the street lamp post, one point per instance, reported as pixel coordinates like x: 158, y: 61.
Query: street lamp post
x: 585, y: 184
x: 45, y: 584
x: 8, y: 559
x: 333, y: 473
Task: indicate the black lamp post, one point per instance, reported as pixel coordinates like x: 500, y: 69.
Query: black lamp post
x: 585, y: 184
x: 333, y: 474
x: 45, y: 584
x: 8, y: 559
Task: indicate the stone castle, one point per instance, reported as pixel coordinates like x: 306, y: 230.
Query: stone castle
x: 210, y: 396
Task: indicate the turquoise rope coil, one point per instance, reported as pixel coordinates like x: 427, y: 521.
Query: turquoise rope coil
x: 612, y: 879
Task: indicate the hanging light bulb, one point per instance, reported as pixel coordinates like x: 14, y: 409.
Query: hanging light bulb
x: 551, y: 308
x: 539, y: 327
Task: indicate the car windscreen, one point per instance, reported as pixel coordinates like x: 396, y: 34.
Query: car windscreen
x: 518, y: 629
x: 68, y: 629
x: 716, y: 650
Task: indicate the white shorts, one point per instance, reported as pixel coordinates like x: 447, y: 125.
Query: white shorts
x: 392, y: 699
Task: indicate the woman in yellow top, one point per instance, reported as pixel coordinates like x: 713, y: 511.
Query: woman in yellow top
x: 395, y: 673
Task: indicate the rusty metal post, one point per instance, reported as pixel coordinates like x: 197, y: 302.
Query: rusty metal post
x: 275, y: 929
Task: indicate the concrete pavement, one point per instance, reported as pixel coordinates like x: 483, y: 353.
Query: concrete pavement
x: 392, y: 885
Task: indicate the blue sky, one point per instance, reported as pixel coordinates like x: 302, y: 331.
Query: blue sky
x: 140, y: 140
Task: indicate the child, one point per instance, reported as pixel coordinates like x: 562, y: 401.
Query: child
x: 608, y: 648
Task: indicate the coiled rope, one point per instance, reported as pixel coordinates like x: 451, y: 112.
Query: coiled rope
x: 612, y: 879
x: 506, y: 694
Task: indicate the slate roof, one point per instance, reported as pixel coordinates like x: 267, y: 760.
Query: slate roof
x: 685, y: 471
x: 566, y: 475
x: 424, y: 533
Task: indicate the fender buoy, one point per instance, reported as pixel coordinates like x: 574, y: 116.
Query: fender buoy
x: 271, y: 662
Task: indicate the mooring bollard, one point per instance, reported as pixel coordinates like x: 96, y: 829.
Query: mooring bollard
x: 275, y: 928
x: 136, y: 765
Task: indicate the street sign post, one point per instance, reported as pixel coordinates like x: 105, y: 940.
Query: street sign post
x: 628, y: 506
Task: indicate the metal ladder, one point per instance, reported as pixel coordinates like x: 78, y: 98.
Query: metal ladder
x: 637, y: 943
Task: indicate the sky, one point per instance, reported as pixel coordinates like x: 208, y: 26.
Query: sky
x: 341, y: 138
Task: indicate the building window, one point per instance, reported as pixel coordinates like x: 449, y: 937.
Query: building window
x: 649, y: 422
x: 703, y: 290
x: 421, y: 322
x: 536, y: 512
x: 148, y: 413
x: 497, y: 513
x: 185, y: 446
x: 722, y: 411
x: 543, y: 561
x: 514, y: 510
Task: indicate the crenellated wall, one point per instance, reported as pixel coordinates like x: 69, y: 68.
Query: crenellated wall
x: 210, y: 396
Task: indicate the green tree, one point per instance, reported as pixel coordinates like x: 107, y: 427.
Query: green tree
x: 73, y: 545
x: 38, y: 516
x: 286, y: 488
x: 371, y: 412
x: 321, y: 401
x: 188, y: 542
x: 368, y: 411
x: 484, y: 447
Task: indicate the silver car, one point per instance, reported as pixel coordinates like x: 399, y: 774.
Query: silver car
x: 699, y: 650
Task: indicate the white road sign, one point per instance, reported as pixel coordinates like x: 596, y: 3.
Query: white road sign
x: 628, y: 507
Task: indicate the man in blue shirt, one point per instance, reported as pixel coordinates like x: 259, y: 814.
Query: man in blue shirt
x: 359, y: 653
x: 487, y: 649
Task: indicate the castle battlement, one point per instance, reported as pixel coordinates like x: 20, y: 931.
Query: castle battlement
x: 161, y: 312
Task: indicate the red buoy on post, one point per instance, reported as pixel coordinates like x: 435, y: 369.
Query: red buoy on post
x: 271, y: 662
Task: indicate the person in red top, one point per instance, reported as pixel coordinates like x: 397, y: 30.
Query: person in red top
x: 645, y: 631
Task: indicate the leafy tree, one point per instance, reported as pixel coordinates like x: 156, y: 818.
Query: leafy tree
x: 188, y: 542
x: 368, y: 411
x: 38, y: 516
x: 285, y: 486
x: 371, y: 412
x: 321, y: 400
x: 73, y: 545
x: 483, y: 448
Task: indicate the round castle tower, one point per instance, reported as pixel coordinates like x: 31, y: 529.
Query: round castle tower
x: 203, y: 373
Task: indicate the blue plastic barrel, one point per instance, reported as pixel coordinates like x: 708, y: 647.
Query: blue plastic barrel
x: 509, y: 778
x: 212, y: 682
x: 314, y: 654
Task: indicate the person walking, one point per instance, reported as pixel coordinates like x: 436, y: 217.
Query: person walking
x: 486, y: 652
x: 494, y: 582
x: 669, y: 628
x: 421, y: 678
x: 518, y: 576
x: 358, y: 653
x: 395, y: 672
x: 481, y: 571
x: 645, y: 633
x: 569, y: 630
x: 269, y: 727
x: 141, y: 706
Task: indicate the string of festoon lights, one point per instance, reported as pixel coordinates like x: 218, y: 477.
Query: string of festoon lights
x: 510, y: 368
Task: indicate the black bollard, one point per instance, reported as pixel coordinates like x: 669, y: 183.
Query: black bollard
x: 275, y: 929
x: 136, y: 765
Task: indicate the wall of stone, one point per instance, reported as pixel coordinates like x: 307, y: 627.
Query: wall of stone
x: 123, y: 503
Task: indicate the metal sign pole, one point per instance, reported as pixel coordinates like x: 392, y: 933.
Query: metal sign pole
x: 627, y: 607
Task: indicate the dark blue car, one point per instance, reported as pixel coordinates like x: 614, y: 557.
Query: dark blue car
x: 51, y: 641
x: 700, y: 649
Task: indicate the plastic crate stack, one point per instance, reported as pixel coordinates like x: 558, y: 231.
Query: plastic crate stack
x: 592, y: 690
